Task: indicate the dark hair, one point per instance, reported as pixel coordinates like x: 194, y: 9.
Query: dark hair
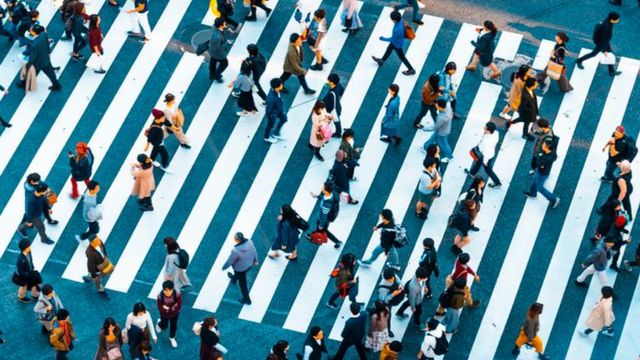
x: 275, y: 82
x: 34, y: 14
x: 491, y: 126
x: 209, y: 321
x: 62, y: 314
x: 319, y: 105
x: 320, y: 13
x: 42, y: 187
x: 314, y: 331
x: 334, y: 78
x: 380, y: 308
x: 167, y: 285
x: 441, y: 103
x: 387, y: 214
x: 428, y: 242
x: 172, y: 245
x: 78, y: 8
x: 328, y: 185
x: 464, y: 258
x: 530, y: 82
x: 145, y: 346
x: 433, y: 323
x: 395, y: 16
x: 535, y: 309
x: 543, y: 123
x: 38, y: 29
x: 218, y: 22
x: 450, y: 66
x: 293, y: 37
x: 144, y: 161
x: 460, y: 283
x: 23, y: 244
x: 47, y: 289
x: 92, y: 185
x: 563, y: 36
x: 347, y: 133
x: 245, y: 68
x: 395, y: 88
x: 139, y: 308
x: 434, y: 80
x: 491, y: 26
x: 252, y: 49
x: 280, y: 346
x: 522, y: 71
x: 388, y: 273
x: 287, y: 212
x: 421, y: 273
x: 93, y: 21
x: 432, y: 149
x: 395, y: 346
x: 549, y: 143
x: 607, y: 292
x: 33, y: 177
x: 108, y: 322
x: 428, y: 162
x: 476, y: 182
x: 355, y: 308
x: 613, y: 16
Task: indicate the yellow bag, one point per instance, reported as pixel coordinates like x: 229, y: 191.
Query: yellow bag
x: 554, y: 70
x: 106, y: 267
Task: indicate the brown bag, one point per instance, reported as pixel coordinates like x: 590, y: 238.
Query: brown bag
x: 554, y: 70
x: 52, y: 197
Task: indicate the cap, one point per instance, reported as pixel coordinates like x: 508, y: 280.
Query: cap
x: 169, y: 97
x: 157, y: 114
x: 621, y: 221
x: 620, y: 128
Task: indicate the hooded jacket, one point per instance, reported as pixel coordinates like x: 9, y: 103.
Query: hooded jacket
x: 242, y: 257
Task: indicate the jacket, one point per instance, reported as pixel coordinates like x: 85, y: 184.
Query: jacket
x: 391, y: 118
x: 325, y: 208
x: 397, y: 35
x: 95, y: 39
x: 208, y: 340
x: 258, y: 65
x: 243, y: 256
x: 81, y: 168
x: 275, y: 105
x: 415, y: 292
x: 95, y: 258
x: 429, y: 94
x: 387, y: 235
x: 88, y: 202
x: 528, y: 108
x: 387, y: 354
x: 77, y: 27
x: 287, y: 236
x: 484, y: 48
x: 104, y: 346
x: 317, y: 121
x: 58, y: 334
x: 34, y: 209
x: 446, y: 81
x: 602, y: 35
x: 443, y: 121
x: 429, y: 342
x: 143, y: 182
x: 332, y: 99
x: 340, y: 175
x: 354, y: 329
x: 173, y: 302
x: 24, y: 266
x: 39, y: 54
x: 44, y: 302
x: 487, y: 146
x: 218, y: 45
x: 598, y: 257
x: 530, y: 327
x: 601, y: 315
x: 293, y: 61
x: 429, y: 261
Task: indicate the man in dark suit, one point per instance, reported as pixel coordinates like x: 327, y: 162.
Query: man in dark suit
x: 40, y: 57
x: 528, y: 109
x: 602, y: 39
x: 353, y: 333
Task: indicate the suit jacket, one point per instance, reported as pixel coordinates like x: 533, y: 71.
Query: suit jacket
x: 354, y: 329
x: 39, y: 54
x: 217, y: 45
x: 528, y: 109
x: 602, y: 36
x: 293, y: 61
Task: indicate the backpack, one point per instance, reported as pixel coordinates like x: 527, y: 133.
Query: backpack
x: 632, y: 149
x: 442, y: 344
x: 401, y: 239
x: 409, y: 33
x: 183, y: 259
x: 446, y: 298
x: 335, y: 208
x: 396, y: 300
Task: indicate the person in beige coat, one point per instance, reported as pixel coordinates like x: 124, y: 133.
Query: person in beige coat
x: 144, y: 182
x: 321, y: 122
x: 601, y: 317
x: 293, y: 65
x: 515, y: 93
x: 175, y: 116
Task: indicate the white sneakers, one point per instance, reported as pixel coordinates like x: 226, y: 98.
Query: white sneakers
x: 158, y: 330
x: 445, y: 160
x: 271, y: 139
x: 505, y: 116
x: 173, y: 342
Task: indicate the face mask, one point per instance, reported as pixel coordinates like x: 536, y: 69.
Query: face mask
x: 350, y: 141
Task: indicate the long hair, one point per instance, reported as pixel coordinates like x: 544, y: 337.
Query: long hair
x: 317, y: 108
x: 287, y: 212
x: 93, y: 22
x: 491, y: 27
x: 108, y: 322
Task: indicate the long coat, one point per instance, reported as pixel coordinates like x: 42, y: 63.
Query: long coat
x: 144, y: 182
x: 293, y: 61
x: 39, y: 54
x: 287, y: 238
x: 601, y: 315
x: 391, y: 118
x: 528, y: 108
x: 317, y: 121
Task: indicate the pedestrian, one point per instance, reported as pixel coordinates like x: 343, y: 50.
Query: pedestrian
x: 244, y: 85
x: 352, y: 152
x: 34, y: 210
x: 515, y: 92
x: 528, y: 108
x: 449, y: 86
x: 434, y: 338
x: 441, y: 130
x: 433, y: 152
x: 110, y: 341
x: 431, y: 91
x: 557, y: 56
x: 316, y: 38
x: 428, y: 188
x: 462, y: 222
x: 543, y: 133
x: 322, y: 129
x: 209, y: 338
x: 81, y: 167
x: 328, y: 209
x: 388, y: 231
x: 293, y: 65
x: 66, y: 12
x: 143, y: 181
x: 25, y: 24
x: 279, y: 350
x: 596, y: 262
x: 484, y: 47
x: 390, y: 292
x: 140, y: 329
x: 484, y: 152
x: 413, y: 4
x: 145, y: 352
x: 95, y: 43
x: 622, y: 187
x: 26, y: 276
x: 378, y: 334
x: 346, y: 284
x: 391, y: 119
x: 429, y: 261
x: 258, y: 65
x: 47, y: 308
x: 629, y: 264
x: 415, y: 291
x: 609, y: 212
x: 226, y: 9
x: 288, y: 233
x: 621, y: 147
x: 391, y: 350
x: 615, y: 233
x: 452, y: 300
x: 340, y: 176
x: 91, y: 211
x: 601, y: 317
x: 218, y: 49
x: 332, y: 101
x: 396, y: 43
x: 40, y: 57
x: 353, y: 333
x: 254, y: 4
x: 302, y: 15
x: 602, y: 34
x: 350, y: 17
x: 98, y: 265
x: 175, y: 117
x: 529, y: 332
x: 175, y: 264
x: 242, y: 258
x: 314, y: 345
x: 155, y: 138
x: 169, y: 303
x: 78, y: 30
x: 17, y: 11
x: 462, y: 270
x: 544, y: 161
x: 475, y: 192
x: 276, y: 117
x: 63, y: 335
x: 140, y: 20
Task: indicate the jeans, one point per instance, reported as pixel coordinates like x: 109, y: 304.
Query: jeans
x: 414, y: 5
x: 217, y: 67
x: 344, y: 346
x: 241, y: 278
x: 303, y: 82
x: 272, y: 128
x: 173, y: 325
x: 39, y: 225
x: 452, y: 319
x: 164, y: 154
x: 611, y: 170
x: 79, y: 43
x: 392, y: 255
x: 487, y: 168
x: 400, y: 53
x: 538, y: 185
x: 261, y: 93
x: 443, y: 144
x: 593, y: 53
x: 424, y: 108
x: 94, y: 229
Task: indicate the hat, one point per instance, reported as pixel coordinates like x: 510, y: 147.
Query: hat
x: 239, y: 236
x: 169, y: 97
x: 620, y: 128
x: 157, y: 114
x: 621, y: 221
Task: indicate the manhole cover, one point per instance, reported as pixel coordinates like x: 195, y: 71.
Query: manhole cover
x: 200, y: 37
x: 192, y: 35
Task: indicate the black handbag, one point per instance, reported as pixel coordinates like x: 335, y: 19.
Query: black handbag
x: 16, y: 279
x: 36, y: 278
x: 202, y: 48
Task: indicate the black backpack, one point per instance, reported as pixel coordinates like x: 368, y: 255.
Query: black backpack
x: 632, y: 149
x: 183, y: 259
x: 446, y: 298
x: 335, y: 208
x: 442, y: 344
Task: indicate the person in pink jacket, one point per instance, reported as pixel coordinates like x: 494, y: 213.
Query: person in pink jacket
x: 321, y: 129
x: 601, y: 317
x: 143, y: 181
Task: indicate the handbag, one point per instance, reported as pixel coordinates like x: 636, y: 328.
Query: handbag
x: 319, y: 135
x: 318, y: 237
x: 202, y: 48
x: 52, y: 197
x: 327, y: 130
x: 114, y: 353
x: 106, y: 267
x: 607, y: 59
x: 554, y: 70
x: 15, y: 278
x: 409, y: 33
x: 475, y: 153
x: 36, y: 278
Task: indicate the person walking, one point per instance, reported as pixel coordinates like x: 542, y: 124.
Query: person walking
x: 293, y: 65
x: 63, y: 335
x: 596, y: 262
x: 622, y: 187
x: 340, y: 177
x: 81, y: 167
x: 557, y: 56
x: 452, y: 300
x: 428, y: 187
x: 275, y: 114
x: 145, y: 352
x: 391, y: 350
x: 226, y: 8
x: 169, y: 303
x: 98, y: 265
x: 390, y: 292
x: 515, y: 92
x: 139, y: 327
x: 601, y: 317
x: 209, y: 338
x: 462, y: 270
x: 110, y: 341
x: 396, y: 43
x: 254, y: 4
x: 441, y: 130
x: 429, y: 261
x: 350, y: 17
x: 155, y: 138
x: 415, y: 291
x: 351, y: 151
x: 435, y: 333
x: 628, y: 265
x: 475, y: 192
x: 449, y: 86
x: 175, y: 117
x: 279, y: 350
x: 528, y: 109
x: 26, y: 276
x: 175, y: 264
x: 388, y: 231
x: 47, y: 308
x: 143, y: 181
x: 413, y: 4
x: 218, y: 49
x: 484, y: 47
x: 544, y: 161
x: 244, y: 85
x: 462, y: 222
x: 544, y: 133
x: 91, y: 211
x: 332, y: 101
x: 288, y: 233
x: 95, y: 43
x: 484, y: 152
x: 378, y: 334
x: 529, y: 332
x: 391, y: 119
x: 431, y: 91
x: 316, y: 38
x: 602, y: 35
x: 314, y: 345
x: 616, y: 233
x: 346, y: 284
x: 140, y: 20
x: 36, y: 202
x: 39, y: 56
x: 620, y: 148
x: 609, y: 213
x: 321, y: 129
x: 328, y: 209
x: 242, y: 258
x: 258, y: 65
x: 78, y: 30
x: 353, y: 333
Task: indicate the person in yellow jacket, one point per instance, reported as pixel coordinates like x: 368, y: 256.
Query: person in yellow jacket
x: 62, y: 335
x: 391, y: 350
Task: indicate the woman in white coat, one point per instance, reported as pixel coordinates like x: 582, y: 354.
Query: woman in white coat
x: 321, y: 129
x: 601, y: 317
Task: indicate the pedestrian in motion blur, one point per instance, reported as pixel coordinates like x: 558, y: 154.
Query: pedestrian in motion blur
x: 484, y: 47
x: 529, y: 332
x: 602, y: 35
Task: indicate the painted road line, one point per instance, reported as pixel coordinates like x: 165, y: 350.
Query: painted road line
x: 69, y: 117
x: 544, y: 52
x: 404, y: 187
x: 564, y: 256
x: 630, y: 334
x: 508, y: 45
x: 177, y: 85
x: 522, y: 243
x: 369, y: 163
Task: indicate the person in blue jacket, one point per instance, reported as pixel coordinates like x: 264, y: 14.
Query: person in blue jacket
x: 396, y: 41
x: 274, y: 110
x: 391, y: 118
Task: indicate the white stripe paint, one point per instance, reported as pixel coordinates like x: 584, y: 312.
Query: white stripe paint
x: 542, y: 57
x: 508, y: 45
x: 630, y: 333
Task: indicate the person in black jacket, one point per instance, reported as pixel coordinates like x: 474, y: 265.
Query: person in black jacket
x: 387, y: 239
x: 528, y: 109
x: 16, y: 12
x: 209, y: 338
x: 258, y: 65
x: 353, y: 333
x: 78, y: 30
x: 314, y: 345
x: 35, y: 204
x: 155, y: 137
x: 26, y: 276
x: 609, y: 213
x: 40, y: 57
x: 544, y: 161
x: 254, y: 5
x: 226, y: 8
x: 340, y: 175
x: 618, y: 146
x: 462, y: 223
x: 429, y: 261
x: 484, y: 48
x: 621, y: 187
x: 332, y: 101
x: 602, y: 35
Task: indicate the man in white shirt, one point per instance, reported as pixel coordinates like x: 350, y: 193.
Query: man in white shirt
x: 435, y: 330
x: 485, y: 151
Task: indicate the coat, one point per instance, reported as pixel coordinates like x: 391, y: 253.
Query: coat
x: 104, y: 346
x: 218, y: 45
x: 144, y: 182
x: 317, y: 121
x: 94, y: 258
x: 484, y: 48
x: 44, y: 302
x: 208, y: 340
x: 275, y: 105
x: 429, y: 94
x: 173, y: 302
x: 391, y: 118
x: 354, y: 329
x: 602, y: 35
x: 387, y: 354
x: 81, y: 169
x: 293, y: 61
x: 57, y: 336
x: 601, y: 315
x: 39, y: 54
x: 243, y: 256
x: 515, y: 93
x: 528, y: 108
x: 397, y: 35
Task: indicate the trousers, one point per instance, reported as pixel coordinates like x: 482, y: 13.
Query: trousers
x: 173, y: 325
x: 241, y: 278
x: 217, y: 67
x: 303, y: 81
x: 589, y: 271
x: 162, y: 151
x: 401, y: 55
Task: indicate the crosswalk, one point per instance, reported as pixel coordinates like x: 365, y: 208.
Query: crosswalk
x: 377, y: 183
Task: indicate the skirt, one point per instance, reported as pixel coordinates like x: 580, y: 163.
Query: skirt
x: 376, y: 341
x: 245, y: 101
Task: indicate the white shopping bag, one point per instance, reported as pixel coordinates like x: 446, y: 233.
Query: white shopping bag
x: 607, y: 59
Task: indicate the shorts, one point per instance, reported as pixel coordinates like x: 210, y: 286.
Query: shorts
x: 425, y: 198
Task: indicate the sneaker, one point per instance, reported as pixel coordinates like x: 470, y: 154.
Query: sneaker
x: 378, y: 60
x: 555, y: 203
x: 235, y: 94
x: 87, y: 278
x: 337, y: 245
x: 401, y: 315
x: 186, y: 146
x: 231, y: 277
x: 316, y: 67
x: 409, y: 72
x: 157, y: 164
x: 614, y: 267
x: 608, y: 333
x: 271, y: 140
x: 279, y: 137
x: 476, y: 303
x: 627, y: 266
x: 173, y: 342
x: 583, y: 332
x: 249, y: 18
x: 444, y: 160
x: 242, y: 113
x: 25, y: 300
x: 418, y: 22
x: 515, y: 351
x: 615, y: 73
x: 331, y: 305
x: 309, y: 92
x: 55, y: 88
x: 494, y: 185
x: 580, y: 66
x: 529, y: 194
x: 100, y: 71
x: 363, y: 264
x: 422, y: 149
x: 52, y: 222
x: 474, y: 228
x: 158, y: 329
x: 104, y: 294
x: 505, y: 116
x: 532, y: 172
x: 47, y: 241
